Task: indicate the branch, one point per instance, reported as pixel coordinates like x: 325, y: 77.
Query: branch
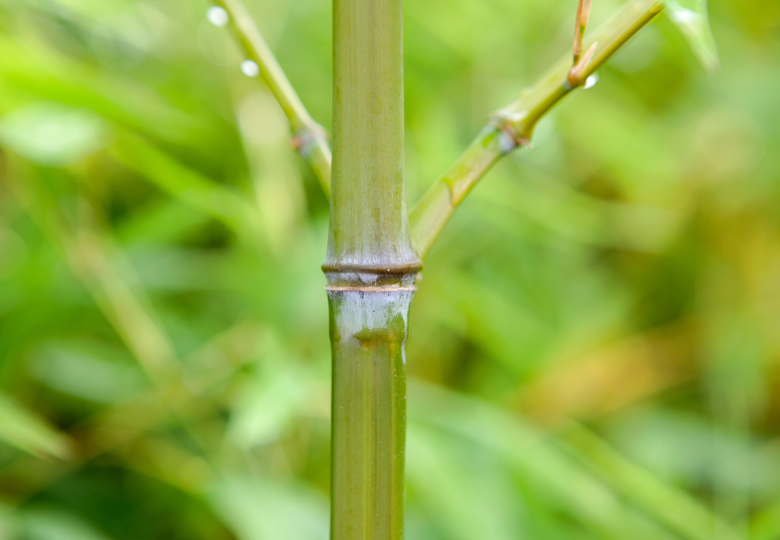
x: 513, y: 126
x: 310, y: 139
x: 583, y: 15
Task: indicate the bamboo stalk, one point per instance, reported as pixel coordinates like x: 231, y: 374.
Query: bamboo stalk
x: 368, y: 335
x: 513, y: 126
x: 370, y: 267
x: 371, y: 261
x: 310, y: 139
x: 369, y: 228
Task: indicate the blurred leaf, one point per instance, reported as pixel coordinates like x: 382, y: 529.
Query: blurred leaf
x: 26, y: 431
x: 55, y: 524
x: 55, y: 77
x: 675, y: 508
x: 266, y: 407
x: 86, y: 372
x: 580, y: 217
x: 8, y: 523
x: 766, y: 525
x: 182, y: 182
x: 170, y: 463
x: 52, y: 134
x: 160, y: 222
x: 506, y: 328
x: 608, y: 378
x: 672, y: 445
x: 692, y: 18
x: 470, y: 497
x: 262, y: 509
x: 535, y: 458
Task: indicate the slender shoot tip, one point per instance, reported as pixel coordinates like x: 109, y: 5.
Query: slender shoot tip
x: 578, y: 72
x: 586, y: 5
x: 583, y: 16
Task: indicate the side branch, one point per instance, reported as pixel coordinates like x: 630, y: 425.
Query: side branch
x: 310, y: 139
x: 513, y: 126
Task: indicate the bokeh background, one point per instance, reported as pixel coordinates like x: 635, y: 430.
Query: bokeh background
x: 595, y: 345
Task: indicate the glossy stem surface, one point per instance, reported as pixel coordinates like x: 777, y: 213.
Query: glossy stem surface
x: 368, y: 336
x: 369, y: 228
x: 370, y: 267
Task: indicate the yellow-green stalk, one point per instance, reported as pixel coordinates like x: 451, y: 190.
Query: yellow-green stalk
x: 370, y: 268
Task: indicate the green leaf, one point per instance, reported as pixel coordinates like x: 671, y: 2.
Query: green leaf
x: 263, y: 509
x: 670, y: 505
x: 692, y: 18
x: 446, y: 476
x: 265, y: 408
x: 87, y: 371
x: 55, y: 524
x: 23, y: 429
x: 766, y: 524
x: 530, y: 455
x: 9, y: 523
x: 51, y: 134
x: 185, y: 184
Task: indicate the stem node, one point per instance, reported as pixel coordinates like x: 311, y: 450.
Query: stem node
x: 513, y: 138
x: 516, y: 121
x: 578, y: 73
x: 317, y: 153
x: 305, y: 139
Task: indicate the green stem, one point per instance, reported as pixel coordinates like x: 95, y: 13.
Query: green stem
x: 370, y: 267
x: 513, y: 125
x: 368, y: 336
x: 309, y: 138
x: 369, y: 227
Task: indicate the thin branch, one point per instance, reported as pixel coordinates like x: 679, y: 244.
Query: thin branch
x: 583, y: 15
x: 577, y: 74
x: 310, y: 139
x: 513, y: 126
x: 581, y: 62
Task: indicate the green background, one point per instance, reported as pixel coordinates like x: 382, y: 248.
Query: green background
x: 594, y: 348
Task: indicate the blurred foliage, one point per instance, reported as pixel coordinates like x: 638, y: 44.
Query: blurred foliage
x: 595, y: 346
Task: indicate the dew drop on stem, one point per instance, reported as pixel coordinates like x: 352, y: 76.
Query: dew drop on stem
x: 217, y: 16
x: 250, y: 68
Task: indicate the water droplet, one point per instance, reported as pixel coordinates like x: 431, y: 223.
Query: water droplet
x: 591, y: 81
x: 217, y: 16
x: 505, y: 143
x: 250, y: 68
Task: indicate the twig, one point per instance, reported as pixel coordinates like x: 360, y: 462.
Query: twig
x: 310, y: 139
x: 513, y: 126
x: 583, y: 15
x: 581, y: 62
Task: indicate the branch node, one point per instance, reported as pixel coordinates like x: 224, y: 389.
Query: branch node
x: 513, y: 125
x: 306, y: 138
x: 513, y: 137
x: 577, y: 75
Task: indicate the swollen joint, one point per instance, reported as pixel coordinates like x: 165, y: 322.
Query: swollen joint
x: 307, y: 138
x: 510, y: 136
